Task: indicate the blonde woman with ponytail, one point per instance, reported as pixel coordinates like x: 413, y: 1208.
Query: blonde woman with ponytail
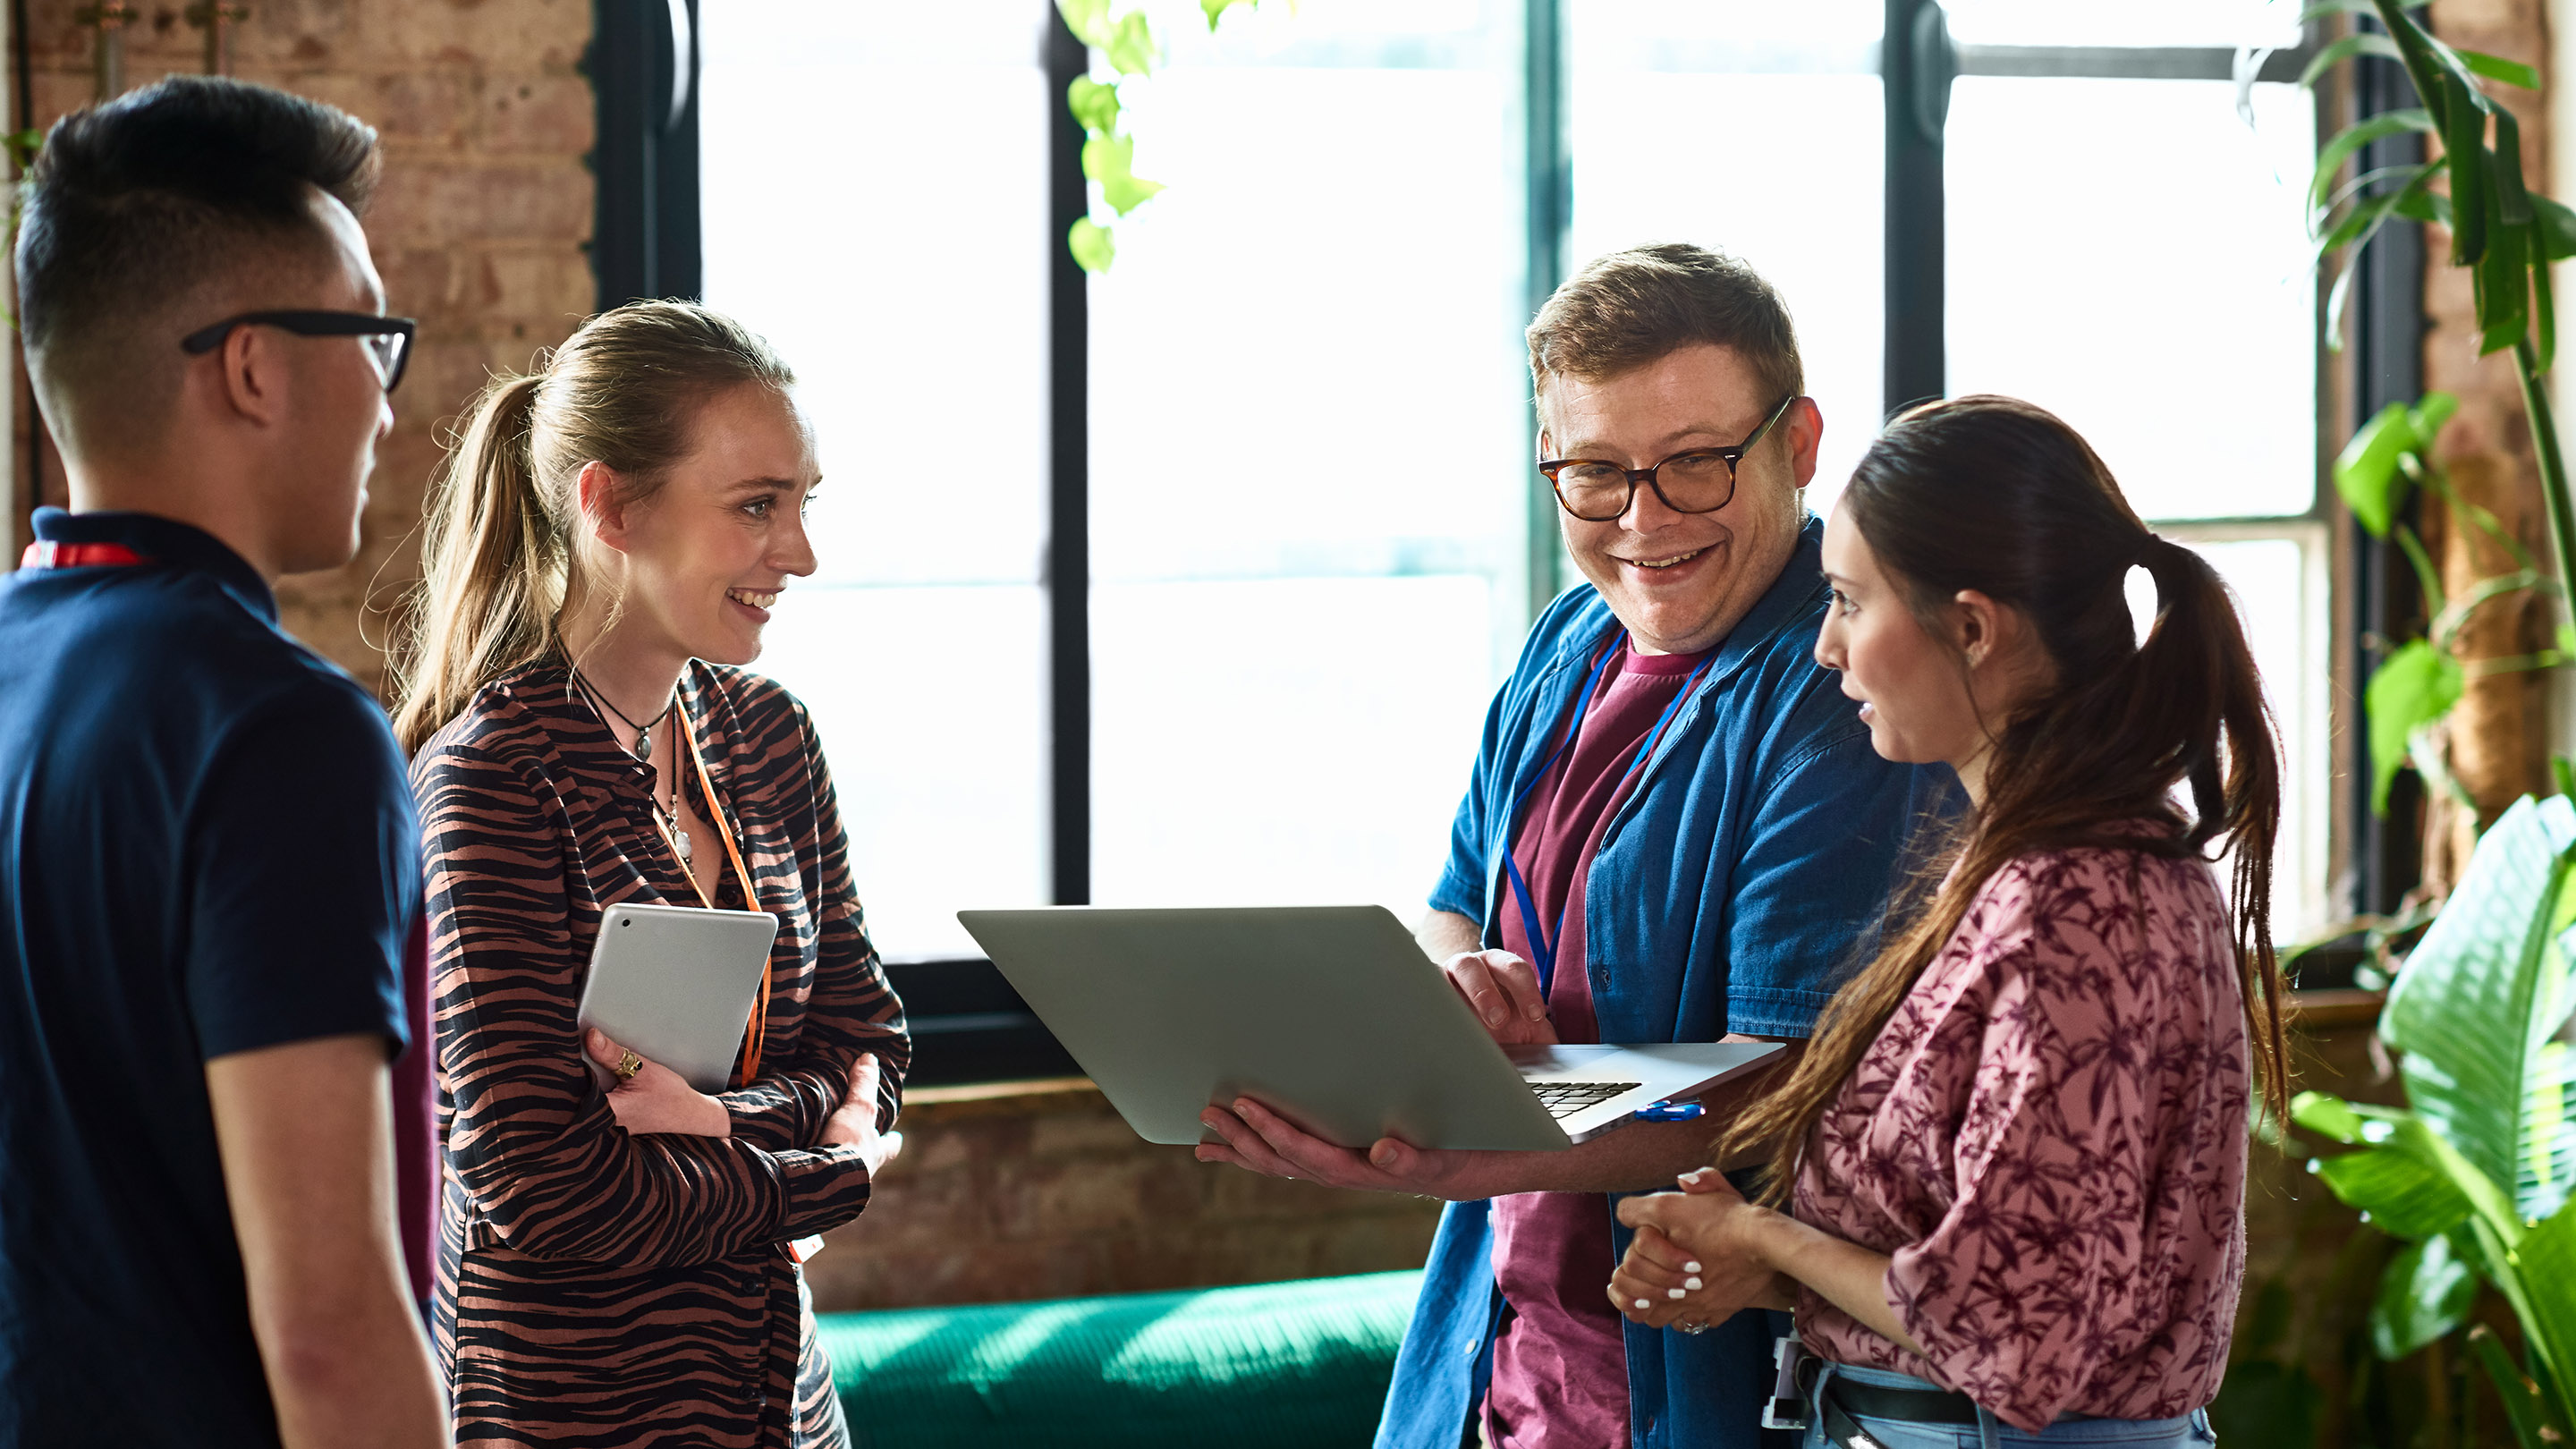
x: 605, y: 545
x: 2013, y: 1156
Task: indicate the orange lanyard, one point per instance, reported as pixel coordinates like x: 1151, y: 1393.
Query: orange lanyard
x: 758, y: 1026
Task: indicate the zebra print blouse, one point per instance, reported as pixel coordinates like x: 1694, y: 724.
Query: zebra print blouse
x: 594, y: 1285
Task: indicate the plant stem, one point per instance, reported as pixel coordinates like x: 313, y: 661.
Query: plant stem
x: 2553, y: 465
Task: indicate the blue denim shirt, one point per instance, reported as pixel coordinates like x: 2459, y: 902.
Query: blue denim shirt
x: 1738, y: 879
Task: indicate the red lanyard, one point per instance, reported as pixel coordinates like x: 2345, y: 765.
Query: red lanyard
x: 46, y: 553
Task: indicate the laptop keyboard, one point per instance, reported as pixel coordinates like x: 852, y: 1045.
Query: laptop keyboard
x: 1564, y: 1099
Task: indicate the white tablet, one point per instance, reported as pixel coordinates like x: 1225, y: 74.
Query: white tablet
x: 675, y: 984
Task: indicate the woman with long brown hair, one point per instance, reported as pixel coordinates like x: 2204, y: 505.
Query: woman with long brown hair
x: 2012, y: 1158
x: 620, y: 1265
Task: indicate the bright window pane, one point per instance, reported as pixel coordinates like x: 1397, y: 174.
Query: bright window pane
x: 1786, y: 173
x: 2130, y: 255
x: 1283, y: 740
x: 2098, y: 22
x: 1310, y: 451
x: 2280, y: 586
x: 1730, y: 35
x: 919, y: 643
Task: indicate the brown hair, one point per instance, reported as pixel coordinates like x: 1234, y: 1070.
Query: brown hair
x: 502, y: 549
x: 1629, y: 308
x: 1995, y: 495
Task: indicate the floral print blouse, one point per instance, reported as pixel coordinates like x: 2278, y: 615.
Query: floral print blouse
x: 2049, y: 1138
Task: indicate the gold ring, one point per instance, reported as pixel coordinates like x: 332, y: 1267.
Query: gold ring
x: 628, y: 1065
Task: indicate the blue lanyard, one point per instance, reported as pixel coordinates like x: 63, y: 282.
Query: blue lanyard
x: 1543, y: 943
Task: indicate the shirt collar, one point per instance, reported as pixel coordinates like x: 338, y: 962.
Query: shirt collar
x: 167, y: 542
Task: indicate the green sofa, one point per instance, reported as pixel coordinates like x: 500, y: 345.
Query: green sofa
x: 1300, y: 1365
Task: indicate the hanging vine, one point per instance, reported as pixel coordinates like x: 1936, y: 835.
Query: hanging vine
x: 1126, y: 47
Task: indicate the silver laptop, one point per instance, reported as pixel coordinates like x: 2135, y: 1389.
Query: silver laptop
x: 1330, y: 1015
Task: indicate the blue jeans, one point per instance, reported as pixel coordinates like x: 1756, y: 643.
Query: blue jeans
x: 2189, y: 1431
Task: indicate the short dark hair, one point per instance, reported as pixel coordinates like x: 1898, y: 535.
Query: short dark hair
x: 1630, y: 308
x: 136, y: 206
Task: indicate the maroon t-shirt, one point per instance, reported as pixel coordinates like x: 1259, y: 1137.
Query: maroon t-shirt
x: 1560, y: 1368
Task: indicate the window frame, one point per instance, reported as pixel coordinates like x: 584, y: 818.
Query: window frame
x: 643, y: 61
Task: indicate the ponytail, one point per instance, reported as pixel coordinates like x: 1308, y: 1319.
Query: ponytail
x: 503, y: 550
x: 494, y: 565
x: 2197, y: 668
x: 1997, y: 496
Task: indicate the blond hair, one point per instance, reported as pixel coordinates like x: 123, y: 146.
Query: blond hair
x: 502, y: 551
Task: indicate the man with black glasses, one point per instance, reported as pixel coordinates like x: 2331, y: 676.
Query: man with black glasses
x: 1676, y: 831
x: 208, y: 859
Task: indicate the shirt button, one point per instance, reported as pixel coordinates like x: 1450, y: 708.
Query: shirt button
x: 1474, y: 1344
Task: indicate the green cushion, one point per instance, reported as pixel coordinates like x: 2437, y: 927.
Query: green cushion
x: 1300, y: 1365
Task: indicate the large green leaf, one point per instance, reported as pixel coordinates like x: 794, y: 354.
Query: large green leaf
x: 2546, y: 1302
x: 2329, y: 1116
x: 2403, y: 1185
x: 2464, y: 142
x: 2425, y: 1292
x: 2366, y: 472
x: 2479, y: 1000
x: 2503, y: 288
x: 2414, y: 686
x: 2497, y: 68
x: 2557, y: 227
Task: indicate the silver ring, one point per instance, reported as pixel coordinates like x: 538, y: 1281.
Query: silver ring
x: 1692, y: 1327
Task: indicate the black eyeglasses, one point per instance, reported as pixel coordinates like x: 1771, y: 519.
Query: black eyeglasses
x: 1701, y: 480
x: 388, y: 338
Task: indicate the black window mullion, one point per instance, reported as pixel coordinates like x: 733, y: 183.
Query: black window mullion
x: 643, y: 67
x: 2387, y: 357
x: 1068, y: 549
x: 1916, y: 62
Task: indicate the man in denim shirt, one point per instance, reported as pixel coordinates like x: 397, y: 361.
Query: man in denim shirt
x: 1676, y: 831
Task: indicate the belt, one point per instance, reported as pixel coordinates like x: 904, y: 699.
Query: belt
x: 1842, y: 1398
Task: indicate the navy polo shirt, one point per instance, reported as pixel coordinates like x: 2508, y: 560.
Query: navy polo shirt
x: 206, y: 847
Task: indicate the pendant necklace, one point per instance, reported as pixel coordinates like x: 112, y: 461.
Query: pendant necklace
x: 644, y: 751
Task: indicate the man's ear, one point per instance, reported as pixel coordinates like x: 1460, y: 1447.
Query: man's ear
x: 1806, y: 427
x: 602, y: 503
x: 253, y: 379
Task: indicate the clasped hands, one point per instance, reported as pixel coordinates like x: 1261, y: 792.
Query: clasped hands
x: 653, y: 1098
x: 1503, y: 991
x: 1696, y: 1259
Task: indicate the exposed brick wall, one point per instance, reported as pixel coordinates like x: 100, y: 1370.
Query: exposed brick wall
x: 2499, y: 732
x: 479, y: 229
